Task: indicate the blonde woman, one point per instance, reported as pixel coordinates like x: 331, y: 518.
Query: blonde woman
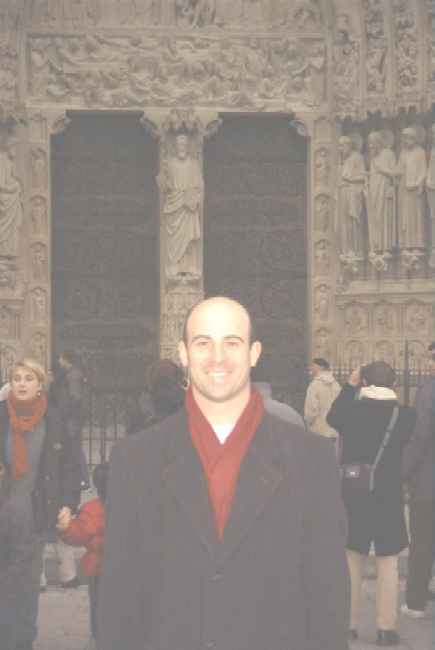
x: 42, y: 477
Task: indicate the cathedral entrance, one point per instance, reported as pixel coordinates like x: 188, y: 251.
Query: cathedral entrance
x: 255, y: 170
x: 105, y: 281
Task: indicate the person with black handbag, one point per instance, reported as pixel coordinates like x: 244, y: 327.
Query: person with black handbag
x: 374, y: 429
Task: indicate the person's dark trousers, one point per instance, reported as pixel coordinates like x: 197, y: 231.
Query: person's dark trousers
x: 93, y: 603
x: 420, y: 554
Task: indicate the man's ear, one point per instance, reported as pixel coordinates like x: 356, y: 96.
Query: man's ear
x: 255, y: 353
x: 182, y: 353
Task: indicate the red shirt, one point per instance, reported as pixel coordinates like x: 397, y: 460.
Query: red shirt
x: 87, y: 529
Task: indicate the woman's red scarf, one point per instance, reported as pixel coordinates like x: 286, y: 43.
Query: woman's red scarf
x: 23, y: 416
x: 221, y: 462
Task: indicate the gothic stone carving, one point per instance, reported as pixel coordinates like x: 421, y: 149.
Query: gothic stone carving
x: 181, y: 184
x: 11, y: 23
x: 38, y: 215
x: 346, y: 72
x: 412, y: 170
x: 385, y: 320
x: 322, y: 257
x: 321, y: 302
x: 39, y: 262
x: 407, y: 47
x: 430, y: 191
x: 8, y: 357
x: 10, y: 322
x: 381, y: 195
x: 350, y: 188
x: 38, y: 305
x: 376, y: 61
x: 356, y: 320
x: 11, y: 208
x: 124, y: 71
x: 38, y: 347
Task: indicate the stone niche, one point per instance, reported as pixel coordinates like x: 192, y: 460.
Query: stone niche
x: 354, y: 78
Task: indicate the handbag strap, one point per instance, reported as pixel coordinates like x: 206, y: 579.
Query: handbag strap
x: 384, y: 443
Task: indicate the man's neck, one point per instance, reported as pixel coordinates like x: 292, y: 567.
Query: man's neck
x: 223, y: 412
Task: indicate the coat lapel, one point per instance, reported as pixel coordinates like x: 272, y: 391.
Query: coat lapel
x: 186, y: 479
x: 258, y: 480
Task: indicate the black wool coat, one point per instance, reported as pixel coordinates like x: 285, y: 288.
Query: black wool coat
x: 378, y: 516
x: 276, y: 581
x: 58, y: 478
x: 418, y: 457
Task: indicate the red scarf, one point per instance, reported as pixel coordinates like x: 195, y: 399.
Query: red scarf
x: 23, y: 416
x: 222, y: 463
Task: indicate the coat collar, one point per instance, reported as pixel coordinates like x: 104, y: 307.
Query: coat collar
x: 258, y: 479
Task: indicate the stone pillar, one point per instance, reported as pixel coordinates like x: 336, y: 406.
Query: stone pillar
x: 321, y: 245
x: 181, y: 135
x: 37, y: 335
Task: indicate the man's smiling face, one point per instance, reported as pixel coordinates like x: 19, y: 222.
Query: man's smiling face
x: 218, y: 352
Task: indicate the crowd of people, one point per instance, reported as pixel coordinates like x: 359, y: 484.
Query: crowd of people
x: 225, y: 519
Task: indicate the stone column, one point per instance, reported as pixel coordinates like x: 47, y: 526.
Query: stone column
x: 321, y: 246
x: 181, y: 136
x: 37, y: 335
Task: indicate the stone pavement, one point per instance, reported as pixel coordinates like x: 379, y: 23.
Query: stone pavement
x: 64, y: 622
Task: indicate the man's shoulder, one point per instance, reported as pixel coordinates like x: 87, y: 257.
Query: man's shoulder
x: 154, y: 442
x: 292, y: 438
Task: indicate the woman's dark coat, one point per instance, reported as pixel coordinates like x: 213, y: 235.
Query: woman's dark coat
x: 376, y: 516
x: 277, y: 581
x: 418, y: 457
x: 58, y: 479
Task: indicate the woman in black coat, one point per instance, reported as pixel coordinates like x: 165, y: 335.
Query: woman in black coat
x: 375, y: 516
x: 40, y: 476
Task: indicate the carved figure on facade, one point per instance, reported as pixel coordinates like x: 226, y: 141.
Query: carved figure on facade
x: 9, y: 279
x: 11, y: 206
x: 351, y: 182
x: 38, y: 305
x: 417, y: 318
x: 384, y: 351
x: 181, y: 184
x: 38, y: 347
x: 39, y: 262
x: 430, y: 191
x: 195, y: 13
x: 38, y: 215
x: 381, y: 197
x: 346, y: 67
x: 354, y: 354
x: 384, y: 320
x: 322, y: 166
x: 39, y: 169
x: 322, y: 343
x: 322, y: 257
x: 355, y: 320
x: 321, y: 302
x: 8, y: 356
x: 322, y: 212
x: 376, y: 48
x: 411, y: 170
x: 9, y: 323
x: 406, y: 42
x: 417, y: 355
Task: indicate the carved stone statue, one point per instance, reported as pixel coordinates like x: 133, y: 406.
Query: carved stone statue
x: 351, y: 180
x: 182, y: 187
x: 381, y: 195
x: 11, y: 207
x: 411, y: 169
x: 430, y: 190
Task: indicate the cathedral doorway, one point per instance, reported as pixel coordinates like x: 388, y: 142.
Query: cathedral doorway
x: 105, y: 298
x: 255, y: 170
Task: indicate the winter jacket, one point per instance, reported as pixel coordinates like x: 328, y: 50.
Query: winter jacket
x: 418, y: 457
x: 321, y: 393
x: 87, y: 529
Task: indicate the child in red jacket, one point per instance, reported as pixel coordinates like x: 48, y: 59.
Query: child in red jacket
x: 87, y: 529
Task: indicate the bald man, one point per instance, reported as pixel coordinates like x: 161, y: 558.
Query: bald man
x: 226, y: 529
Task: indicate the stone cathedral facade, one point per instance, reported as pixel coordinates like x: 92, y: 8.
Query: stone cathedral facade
x: 153, y: 151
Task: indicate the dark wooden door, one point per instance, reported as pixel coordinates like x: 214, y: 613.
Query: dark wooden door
x: 105, y: 247
x: 255, y: 250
